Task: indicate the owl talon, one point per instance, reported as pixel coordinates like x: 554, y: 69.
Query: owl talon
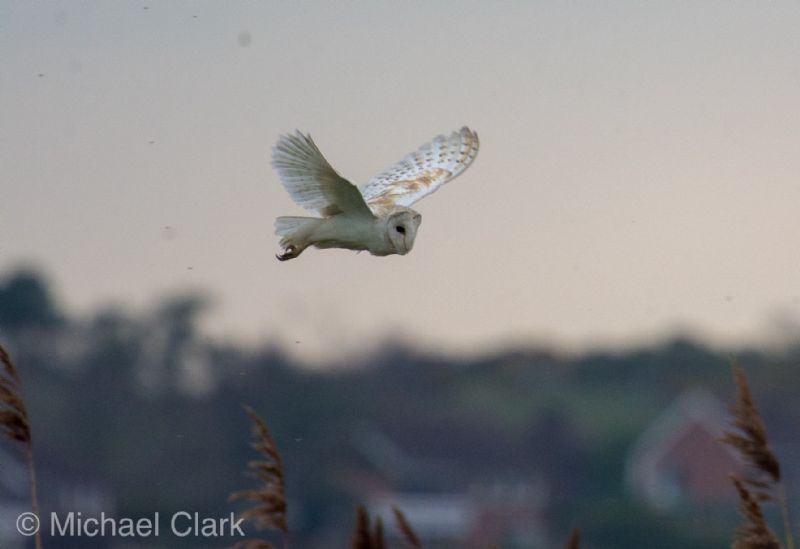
x: 289, y: 253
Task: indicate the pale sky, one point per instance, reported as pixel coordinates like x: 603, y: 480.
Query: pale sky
x: 638, y: 170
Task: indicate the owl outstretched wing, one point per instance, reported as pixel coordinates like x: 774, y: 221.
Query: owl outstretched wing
x: 423, y: 171
x: 311, y: 181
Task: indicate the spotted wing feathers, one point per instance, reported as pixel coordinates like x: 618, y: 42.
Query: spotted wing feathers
x: 423, y: 171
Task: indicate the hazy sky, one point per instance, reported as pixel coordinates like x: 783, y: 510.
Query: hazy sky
x: 638, y: 169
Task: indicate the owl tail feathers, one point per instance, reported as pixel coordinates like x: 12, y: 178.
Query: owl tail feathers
x: 295, y: 233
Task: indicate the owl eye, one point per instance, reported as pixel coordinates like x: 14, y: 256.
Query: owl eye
x: 400, y: 229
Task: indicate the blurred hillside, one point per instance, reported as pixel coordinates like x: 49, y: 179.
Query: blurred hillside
x: 136, y: 413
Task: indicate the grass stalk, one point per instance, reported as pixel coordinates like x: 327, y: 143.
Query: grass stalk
x: 269, y: 498
x: 787, y: 523
x: 762, y: 481
x: 15, y: 426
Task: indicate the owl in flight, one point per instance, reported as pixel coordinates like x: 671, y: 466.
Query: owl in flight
x: 377, y: 217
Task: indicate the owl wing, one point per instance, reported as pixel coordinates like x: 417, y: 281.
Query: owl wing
x: 311, y: 181
x: 423, y: 171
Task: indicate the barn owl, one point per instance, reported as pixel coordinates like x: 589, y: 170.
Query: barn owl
x: 377, y: 218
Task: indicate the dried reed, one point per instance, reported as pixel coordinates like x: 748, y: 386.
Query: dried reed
x: 750, y: 440
x: 754, y: 533
x: 405, y: 527
x: 253, y: 544
x: 269, y: 511
x: 365, y: 537
x: 574, y: 541
x: 15, y: 425
x: 378, y: 538
x: 362, y: 537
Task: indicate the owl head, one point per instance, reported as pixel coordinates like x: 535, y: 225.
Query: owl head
x: 401, y: 229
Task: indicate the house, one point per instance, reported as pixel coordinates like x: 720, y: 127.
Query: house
x: 476, y: 518
x: 679, y: 459
x: 450, y: 492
